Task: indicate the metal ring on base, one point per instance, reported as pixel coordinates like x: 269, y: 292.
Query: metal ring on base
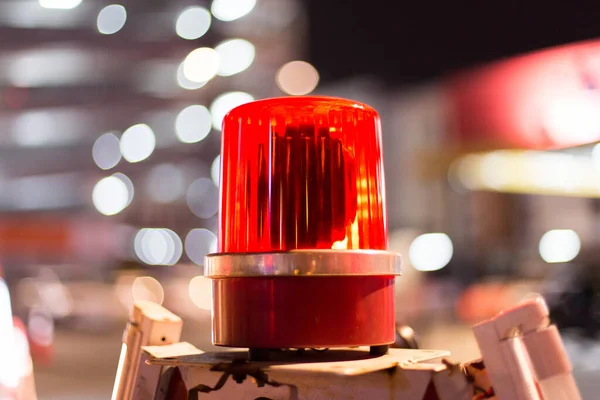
x: 303, y: 263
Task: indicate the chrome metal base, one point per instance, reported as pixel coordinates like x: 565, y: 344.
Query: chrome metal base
x: 303, y: 263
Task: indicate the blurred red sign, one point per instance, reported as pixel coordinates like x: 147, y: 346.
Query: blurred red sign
x: 548, y: 99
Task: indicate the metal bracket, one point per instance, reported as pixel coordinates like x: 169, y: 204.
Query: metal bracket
x: 239, y: 371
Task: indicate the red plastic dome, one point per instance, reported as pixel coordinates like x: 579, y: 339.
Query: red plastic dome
x: 302, y: 173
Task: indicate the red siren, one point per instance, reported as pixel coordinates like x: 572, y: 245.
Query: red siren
x: 302, y: 259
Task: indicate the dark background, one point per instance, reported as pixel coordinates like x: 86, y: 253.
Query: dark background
x: 404, y: 42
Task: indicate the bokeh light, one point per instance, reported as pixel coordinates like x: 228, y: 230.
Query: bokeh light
x: 559, y: 245
x: 215, y: 170
x: 106, y: 151
x: 462, y: 171
x: 193, y: 124
x: 158, y: 246
x: 201, y: 64
x: 431, y: 251
x: 230, y: 10
x: 55, y: 65
x: 110, y: 195
x: 493, y: 169
x: 185, y: 83
x: 60, y: 4
x: 235, y: 56
x: 200, y: 290
x: 193, y: 23
x: 165, y: 183
x: 175, y: 247
x: 225, y: 103
x: 297, y: 78
x: 199, y: 243
x: 111, y: 19
x: 45, y: 128
x: 137, y: 143
x: 34, y: 129
x: 147, y: 288
x: 128, y: 183
x: 122, y: 289
x: 203, y: 198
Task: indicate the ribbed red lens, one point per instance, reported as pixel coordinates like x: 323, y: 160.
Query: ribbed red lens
x: 302, y: 173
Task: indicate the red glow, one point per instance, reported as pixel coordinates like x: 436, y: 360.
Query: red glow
x: 302, y: 173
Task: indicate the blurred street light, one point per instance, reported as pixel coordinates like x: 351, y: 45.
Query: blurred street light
x: 60, y: 4
x: 225, y: 103
x: 110, y: 195
x: 111, y: 19
x: 137, y: 143
x: 199, y: 243
x: 147, y: 288
x: 230, y: 10
x: 559, y: 245
x: 185, y: 83
x: 193, y: 23
x: 431, y: 251
x: 297, y: 78
x: 52, y: 66
x: 158, y: 246
x: 201, y: 65
x: 106, y: 151
x: 128, y: 184
x: 46, y: 128
x: 200, y: 291
x: 193, y: 124
x: 236, y: 55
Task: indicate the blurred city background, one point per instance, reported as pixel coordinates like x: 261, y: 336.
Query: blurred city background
x: 109, y: 159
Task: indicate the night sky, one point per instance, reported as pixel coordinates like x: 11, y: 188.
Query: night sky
x: 404, y: 43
